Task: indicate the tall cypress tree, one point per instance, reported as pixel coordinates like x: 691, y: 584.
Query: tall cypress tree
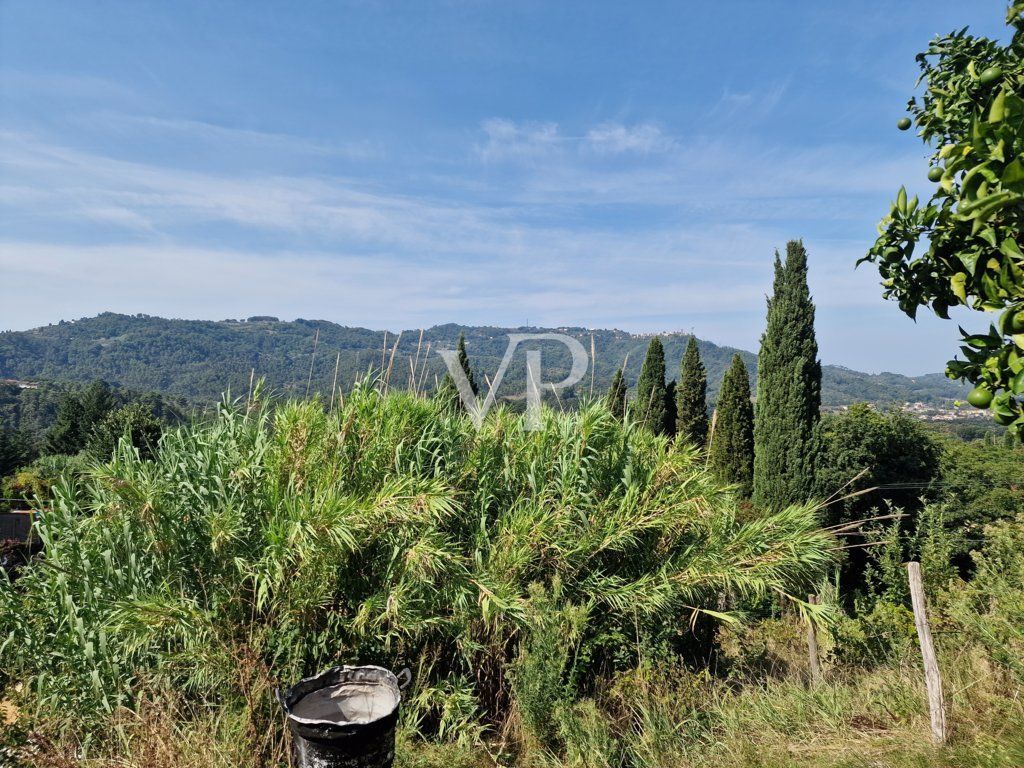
x: 788, y: 389
x: 691, y: 397
x: 671, y: 414
x: 616, y: 398
x: 447, y: 391
x: 731, y: 447
x: 648, y: 407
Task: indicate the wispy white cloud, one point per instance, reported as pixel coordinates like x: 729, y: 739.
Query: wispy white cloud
x: 615, y: 138
x: 79, y: 87
x: 725, y: 178
x: 201, y: 131
x: 179, y: 280
x: 506, y: 139
x: 750, y: 106
x: 670, y: 287
x: 49, y: 183
x: 372, y: 254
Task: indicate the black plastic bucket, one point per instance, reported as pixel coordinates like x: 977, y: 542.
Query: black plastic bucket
x: 344, y: 717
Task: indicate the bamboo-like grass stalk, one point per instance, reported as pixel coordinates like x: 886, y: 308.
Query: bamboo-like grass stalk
x: 312, y: 360
x: 415, y: 365
x: 334, y: 384
x: 391, y: 362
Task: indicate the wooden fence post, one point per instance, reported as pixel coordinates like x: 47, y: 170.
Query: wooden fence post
x: 932, y: 676
x: 812, y: 645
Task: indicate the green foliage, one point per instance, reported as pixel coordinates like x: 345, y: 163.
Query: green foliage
x: 37, y: 479
x: 447, y: 392
x: 540, y: 674
x: 198, y: 360
x: 875, y: 636
x: 616, y: 397
x: 671, y: 410
x: 649, y: 406
x: 934, y: 545
x: 788, y: 389
x: 69, y: 431
x: 731, y: 452
x: 387, y: 532
x: 691, y: 397
x: 16, y: 450
x: 589, y: 737
x: 773, y: 648
x: 78, y: 415
x: 134, y: 423
x: 991, y: 605
x: 985, y: 483
x: 881, y: 457
x: 32, y: 408
x: 972, y: 114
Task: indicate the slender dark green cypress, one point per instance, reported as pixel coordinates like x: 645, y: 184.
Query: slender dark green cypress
x: 616, y: 398
x: 671, y: 414
x: 648, y: 407
x: 464, y: 363
x: 731, y: 446
x: 447, y: 392
x: 788, y: 389
x: 691, y: 397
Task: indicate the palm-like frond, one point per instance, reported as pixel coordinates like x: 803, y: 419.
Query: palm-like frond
x: 386, y: 531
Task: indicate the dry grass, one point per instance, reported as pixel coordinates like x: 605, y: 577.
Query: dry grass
x: 645, y: 719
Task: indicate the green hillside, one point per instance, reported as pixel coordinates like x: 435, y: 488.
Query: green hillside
x: 198, y: 360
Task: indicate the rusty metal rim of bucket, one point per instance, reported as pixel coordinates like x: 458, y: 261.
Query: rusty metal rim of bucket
x: 398, y: 682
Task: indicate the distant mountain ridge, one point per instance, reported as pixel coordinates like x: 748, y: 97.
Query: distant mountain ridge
x: 200, y: 359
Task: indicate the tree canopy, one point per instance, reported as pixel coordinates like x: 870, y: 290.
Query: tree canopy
x: 691, y: 397
x: 731, y: 445
x: 971, y: 114
x: 788, y: 389
x: 77, y: 414
x: 447, y: 392
x: 649, y: 406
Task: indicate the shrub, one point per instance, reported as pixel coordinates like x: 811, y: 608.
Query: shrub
x: 384, y: 532
x: 989, y: 608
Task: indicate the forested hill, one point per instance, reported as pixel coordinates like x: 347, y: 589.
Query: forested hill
x: 199, y: 360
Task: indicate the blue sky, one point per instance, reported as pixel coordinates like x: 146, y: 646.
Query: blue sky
x: 398, y: 165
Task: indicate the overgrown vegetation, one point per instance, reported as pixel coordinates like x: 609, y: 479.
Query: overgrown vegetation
x: 558, y: 593
x: 46, y: 427
x: 269, y: 543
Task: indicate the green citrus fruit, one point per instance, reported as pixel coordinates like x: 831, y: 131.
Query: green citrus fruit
x: 903, y: 123
x: 935, y: 174
x: 1005, y: 419
x: 1017, y: 323
x: 990, y: 75
x: 980, y: 397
